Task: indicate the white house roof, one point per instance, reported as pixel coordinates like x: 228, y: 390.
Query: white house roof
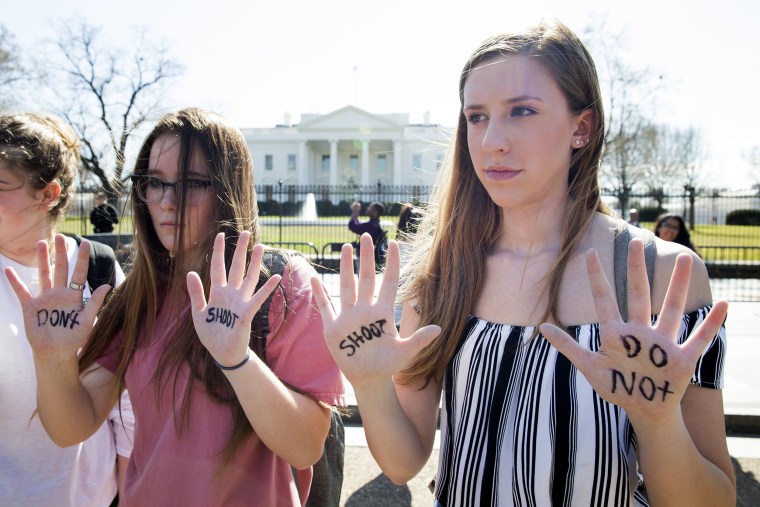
x: 351, y: 117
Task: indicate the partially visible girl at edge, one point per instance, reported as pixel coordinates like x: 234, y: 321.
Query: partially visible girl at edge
x: 549, y: 397
x: 216, y: 422
x: 39, y: 161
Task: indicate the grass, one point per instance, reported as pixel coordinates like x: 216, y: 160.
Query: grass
x: 715, y: 242
x: 725, y: 242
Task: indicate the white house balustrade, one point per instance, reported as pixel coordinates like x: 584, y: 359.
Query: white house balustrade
x: 349, y: 145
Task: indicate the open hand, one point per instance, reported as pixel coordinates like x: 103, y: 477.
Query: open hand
x: 223, y: 323
x: 640, y: 367
x: 363, y: 339
x: 56, y: 321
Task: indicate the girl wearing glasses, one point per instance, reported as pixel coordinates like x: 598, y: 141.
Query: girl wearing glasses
x: 548, y: 396
x: 223, y: 409
x: 673, y: 228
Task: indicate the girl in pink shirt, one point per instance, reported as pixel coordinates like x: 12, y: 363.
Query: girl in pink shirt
x: 223, y: 408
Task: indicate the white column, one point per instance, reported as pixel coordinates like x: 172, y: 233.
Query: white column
x: 333, y: 162
x: 365, y: 163
x: 397, y: 180
x: 303, y: 164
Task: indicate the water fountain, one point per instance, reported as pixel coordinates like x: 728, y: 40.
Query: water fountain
x: 309, y: 209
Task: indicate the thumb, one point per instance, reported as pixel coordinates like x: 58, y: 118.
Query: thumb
x: 96, y: 300
x: 420, y: 339
x: 195, y: 291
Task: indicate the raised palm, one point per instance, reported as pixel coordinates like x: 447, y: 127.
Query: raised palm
x: 363, y: 338
x: 639, y: 366
x: 56, y: 320
x: 223, y: 323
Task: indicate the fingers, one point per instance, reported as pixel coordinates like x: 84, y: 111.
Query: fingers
x: 347, y: 281
x: 261, y: 295
x: 675, y: 299
x: 82, y: 266
x: 389, y: 286
x: 237, y: 268
x: 366, y: 269
x: 639, y: 299
x: 43, y: 265
x: 217, y: 272
x: 566, y: 345
x: 604, y: 301
x: 19, y: 287
x: 248, y: 287
x: 324, y: 304
x: 61, y: 271
x: 706, y: 331
x: 195, y: 290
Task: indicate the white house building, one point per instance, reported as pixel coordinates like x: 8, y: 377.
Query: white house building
x: 349, y: 145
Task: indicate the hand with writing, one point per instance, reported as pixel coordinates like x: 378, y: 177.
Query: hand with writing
x: 363, y: 337
x: 223, y: 323
x: 56, y: 321
x: 640, y: 367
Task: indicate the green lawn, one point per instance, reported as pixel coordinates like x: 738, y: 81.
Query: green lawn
x: 745, y: 240
x: 735, y: 242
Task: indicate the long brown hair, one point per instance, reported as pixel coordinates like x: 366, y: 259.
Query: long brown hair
x: 156, y: 272
x: 463, y: 223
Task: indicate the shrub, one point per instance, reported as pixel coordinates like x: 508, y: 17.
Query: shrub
x: 743, y: 217
x: 650, y: 214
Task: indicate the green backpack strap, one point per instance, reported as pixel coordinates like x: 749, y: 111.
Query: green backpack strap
x: 623, y: 234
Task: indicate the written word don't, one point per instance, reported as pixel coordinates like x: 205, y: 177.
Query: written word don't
x: 58, y: 318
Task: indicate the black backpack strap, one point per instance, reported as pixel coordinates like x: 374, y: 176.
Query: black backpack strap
x: 102, y: 266
x: 275, y: 262
x: 623, y: 234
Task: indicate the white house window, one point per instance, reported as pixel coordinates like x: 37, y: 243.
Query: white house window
x: 382, y: 163
x: 417, y: 161
x: 438, y: 161
x: 268, y: 162
x: 353, y: 163
x: 326, y: 163
x: 291, y: 162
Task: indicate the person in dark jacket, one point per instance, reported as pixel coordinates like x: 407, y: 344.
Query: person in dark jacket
x: 104, y: 215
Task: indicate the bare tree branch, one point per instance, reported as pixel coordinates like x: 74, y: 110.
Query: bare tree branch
x: 110, y: 93
x: 630, y: 92
x: 12, y: 71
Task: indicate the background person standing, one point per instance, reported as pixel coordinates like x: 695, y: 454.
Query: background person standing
x: 104, y: 215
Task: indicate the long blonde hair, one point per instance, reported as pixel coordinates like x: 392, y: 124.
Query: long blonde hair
x: 462, y: 223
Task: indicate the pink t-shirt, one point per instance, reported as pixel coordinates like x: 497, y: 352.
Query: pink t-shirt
x: 167, y: 468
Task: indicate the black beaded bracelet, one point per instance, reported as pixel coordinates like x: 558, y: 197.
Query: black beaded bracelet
x: 241, y: 363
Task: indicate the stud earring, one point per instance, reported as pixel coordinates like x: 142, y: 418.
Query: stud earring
x: 578, y: 142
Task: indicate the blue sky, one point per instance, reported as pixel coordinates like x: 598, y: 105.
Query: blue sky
x: 256, y: 61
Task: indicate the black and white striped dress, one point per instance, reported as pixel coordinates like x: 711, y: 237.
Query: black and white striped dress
x: 522, y: 426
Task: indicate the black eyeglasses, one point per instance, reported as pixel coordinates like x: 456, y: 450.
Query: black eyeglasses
x: 151, y: 189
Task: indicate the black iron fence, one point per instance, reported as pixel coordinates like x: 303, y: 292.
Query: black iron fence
x: 313, y: 219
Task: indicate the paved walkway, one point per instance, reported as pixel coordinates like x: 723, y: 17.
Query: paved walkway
x: 366, y: 486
